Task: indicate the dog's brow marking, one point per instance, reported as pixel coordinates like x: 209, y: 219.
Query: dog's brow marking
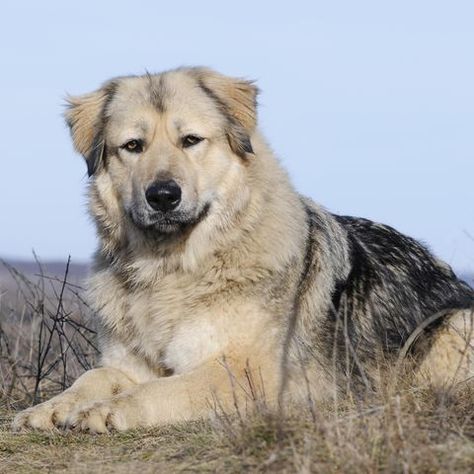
x: 142, y: 125
x: 178, y: 124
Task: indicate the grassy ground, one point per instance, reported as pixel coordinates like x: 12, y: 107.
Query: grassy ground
x: 189, y: 447
x: 410, y: 431
x: 47, y: 340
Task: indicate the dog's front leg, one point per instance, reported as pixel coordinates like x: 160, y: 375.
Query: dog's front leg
x: 177, y: 398
x: 95, y: 384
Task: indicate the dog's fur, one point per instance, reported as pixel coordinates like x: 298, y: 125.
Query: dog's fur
x: 246, y: 283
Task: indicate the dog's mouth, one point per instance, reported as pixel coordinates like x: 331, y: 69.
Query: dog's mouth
x: 169, y: 223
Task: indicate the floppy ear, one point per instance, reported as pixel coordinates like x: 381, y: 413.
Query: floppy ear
x: 85, y: 116
x: 237, y: 100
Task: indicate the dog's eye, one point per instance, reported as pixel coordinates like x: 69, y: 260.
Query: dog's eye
x: 191, y: 140
x: 133, y: 146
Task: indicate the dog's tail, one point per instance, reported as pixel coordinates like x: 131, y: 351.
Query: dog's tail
x: 450, y: 357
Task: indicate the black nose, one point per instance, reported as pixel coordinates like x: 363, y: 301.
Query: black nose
x: 163, y: 195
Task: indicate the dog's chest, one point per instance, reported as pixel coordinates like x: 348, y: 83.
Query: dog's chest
x: 177, y: 324
x: 183, y: 321
x: 181, y: 333
x: 193, y: 343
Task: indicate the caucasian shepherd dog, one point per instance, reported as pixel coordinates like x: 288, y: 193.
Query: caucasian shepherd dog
x: 214, y: 278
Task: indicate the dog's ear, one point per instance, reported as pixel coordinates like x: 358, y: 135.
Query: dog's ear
x: 237, y: 100
x: 85, y: 116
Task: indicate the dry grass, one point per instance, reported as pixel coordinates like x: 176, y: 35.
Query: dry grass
x: 47, y: 338
x: 45, y: 342
x: 412, y: 432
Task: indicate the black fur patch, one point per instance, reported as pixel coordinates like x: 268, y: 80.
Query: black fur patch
x: 98, y: 155
x: 394, y: 284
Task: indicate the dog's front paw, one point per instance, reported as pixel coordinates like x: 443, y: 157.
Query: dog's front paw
x: 39, y: 417
x: 102, y: 417
x: 46, y: 416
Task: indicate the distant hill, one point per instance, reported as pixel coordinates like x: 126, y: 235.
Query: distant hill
x: 469, y: 278
x: 79, y: 270
x: 31, y: 270
x: 51, y: 267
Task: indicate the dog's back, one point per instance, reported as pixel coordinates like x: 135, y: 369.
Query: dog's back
x: 392, y: 274
x: 388, y: 289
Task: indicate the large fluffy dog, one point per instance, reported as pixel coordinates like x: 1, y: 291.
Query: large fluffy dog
x: 214, y: 278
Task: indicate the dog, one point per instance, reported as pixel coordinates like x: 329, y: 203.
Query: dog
x: 213, y: 274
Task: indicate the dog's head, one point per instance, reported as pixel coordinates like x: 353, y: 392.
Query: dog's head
x: 162, y: 149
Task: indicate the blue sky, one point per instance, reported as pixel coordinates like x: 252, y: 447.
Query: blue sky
x: 369, y: 104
